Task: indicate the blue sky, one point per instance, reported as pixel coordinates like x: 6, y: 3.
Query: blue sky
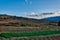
x: 25, y: 7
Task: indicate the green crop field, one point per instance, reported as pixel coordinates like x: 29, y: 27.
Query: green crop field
x: 29, y: 34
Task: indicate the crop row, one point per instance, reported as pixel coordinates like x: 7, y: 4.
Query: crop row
x: 41, y: 38
x: 34, y: 38
x: 29, y: 34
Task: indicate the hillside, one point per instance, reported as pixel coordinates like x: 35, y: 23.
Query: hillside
x: 8, y: 20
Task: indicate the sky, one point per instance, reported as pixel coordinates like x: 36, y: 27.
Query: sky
x: 27, y: 7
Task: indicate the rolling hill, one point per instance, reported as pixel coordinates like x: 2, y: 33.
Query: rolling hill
x: 8, y: 20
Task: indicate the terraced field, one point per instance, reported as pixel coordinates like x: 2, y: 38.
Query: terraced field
x: 27, y: 29
x: 42, y: 35
x: 30, y: 33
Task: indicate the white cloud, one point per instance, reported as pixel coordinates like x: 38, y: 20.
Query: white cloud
x: 28, y: 1
x: 33, y: 13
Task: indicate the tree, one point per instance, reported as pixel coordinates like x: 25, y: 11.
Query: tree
x: 59, y: 23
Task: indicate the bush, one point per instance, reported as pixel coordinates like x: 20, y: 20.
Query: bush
x: 22, y: 25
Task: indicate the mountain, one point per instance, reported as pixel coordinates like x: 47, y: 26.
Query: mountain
x: 55, y: 18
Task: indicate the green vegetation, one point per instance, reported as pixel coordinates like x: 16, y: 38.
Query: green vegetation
x: 29, y: 34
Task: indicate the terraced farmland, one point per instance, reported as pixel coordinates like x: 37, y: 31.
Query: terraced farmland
x: 29, y: 34
x: 43, y: 35
x: 27, y: 29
